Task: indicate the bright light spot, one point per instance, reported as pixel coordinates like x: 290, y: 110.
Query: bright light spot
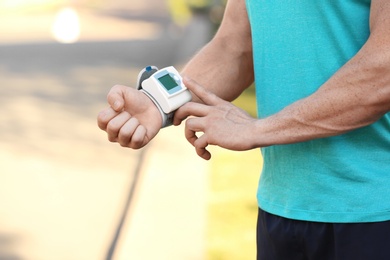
x: 66, y: 27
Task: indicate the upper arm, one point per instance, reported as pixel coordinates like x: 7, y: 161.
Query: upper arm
x: 376, y: 51
x: 379, y: 16
x: 368, y: 72
x: 379, y: 40
x: 225, y: 65
x: 235, y: 28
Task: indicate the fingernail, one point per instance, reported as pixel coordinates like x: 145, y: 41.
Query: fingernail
x: 116, y: 105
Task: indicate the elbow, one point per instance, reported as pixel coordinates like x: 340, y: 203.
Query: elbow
x: 373, y: 71
x: 378, y: 105
x: 378, y: 98
x: 374, y: 77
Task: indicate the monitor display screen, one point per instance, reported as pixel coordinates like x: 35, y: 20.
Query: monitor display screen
x: 168, y: 82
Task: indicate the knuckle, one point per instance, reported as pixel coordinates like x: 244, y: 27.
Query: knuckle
x: 101, y: 120
x: 112, y: 126
x: 123, y: 134
x: 123, y: 144
x: 136, y: 143
x: 112, y: 139
x: 113, y: 91
x: 133, y: 120
x: 115, y: 88
x: 188, y: 123
x: 123, y: 140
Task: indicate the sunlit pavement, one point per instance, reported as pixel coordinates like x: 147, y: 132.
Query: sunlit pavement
x: 63, y: 186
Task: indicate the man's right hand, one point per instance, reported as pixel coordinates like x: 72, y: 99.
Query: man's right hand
x: 132, y: 119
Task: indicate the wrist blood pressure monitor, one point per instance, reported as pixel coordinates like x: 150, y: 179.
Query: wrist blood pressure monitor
x: 165, y: 88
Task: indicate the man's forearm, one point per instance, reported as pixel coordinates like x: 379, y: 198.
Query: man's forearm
x: 356, y: 96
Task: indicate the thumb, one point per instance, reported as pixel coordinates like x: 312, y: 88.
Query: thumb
x: 116, y: 97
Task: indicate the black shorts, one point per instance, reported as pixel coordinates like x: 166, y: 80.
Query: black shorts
x: 279, y: 238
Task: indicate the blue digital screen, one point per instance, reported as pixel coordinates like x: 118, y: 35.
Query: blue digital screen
x: 168, y: 82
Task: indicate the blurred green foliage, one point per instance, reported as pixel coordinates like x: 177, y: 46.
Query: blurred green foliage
x: 232, y: 208
x: 183, y: 10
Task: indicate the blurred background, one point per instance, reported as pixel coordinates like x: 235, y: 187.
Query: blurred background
x: 65, y: 191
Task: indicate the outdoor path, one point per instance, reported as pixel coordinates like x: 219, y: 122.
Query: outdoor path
x: 64, y: 189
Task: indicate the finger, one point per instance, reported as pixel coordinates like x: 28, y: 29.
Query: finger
x: 190, y: 109
x: 200, y: 149
x: 193, y: 125
x: 116, y: 97
x: 126, y: 131
x: 190, y: 135
x: 115, y: 124
x: 105, y: 116
x: 138, y: 138
x: 203, y: 94
x: 200, y: 145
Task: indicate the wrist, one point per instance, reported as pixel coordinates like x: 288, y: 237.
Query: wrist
x: 166, y: 118
x: 264, y: 132
x: 166, y: 89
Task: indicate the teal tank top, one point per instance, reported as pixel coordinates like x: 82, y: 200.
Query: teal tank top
x: 298, y: 45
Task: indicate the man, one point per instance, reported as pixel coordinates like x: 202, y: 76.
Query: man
x: 322, y: 74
